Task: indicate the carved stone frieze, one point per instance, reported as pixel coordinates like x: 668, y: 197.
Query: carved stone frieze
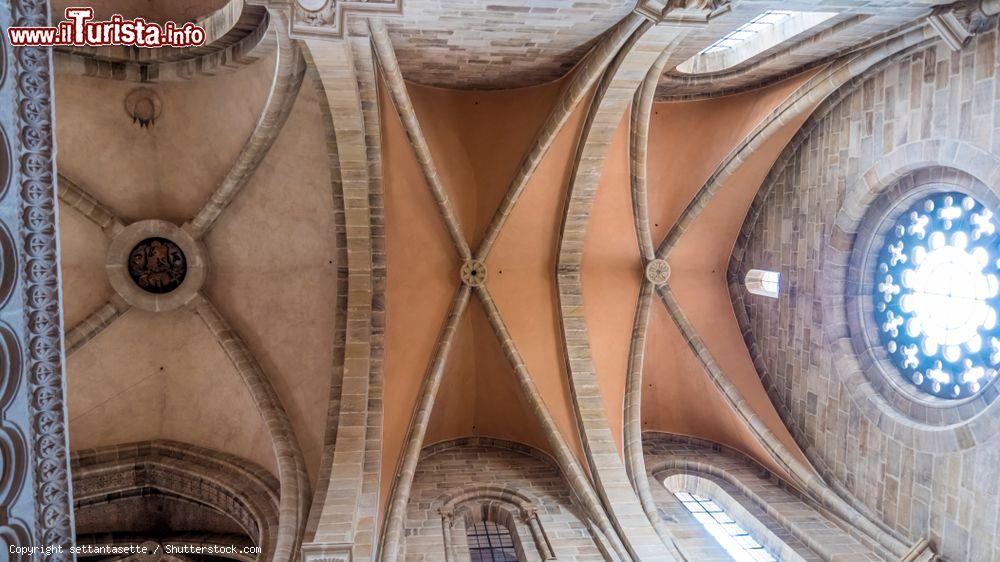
x: 35, y: 498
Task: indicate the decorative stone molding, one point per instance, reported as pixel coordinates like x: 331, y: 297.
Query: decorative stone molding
x: 657, y: 271
x: 505, y: 506
x: 326, y: 552
x: 404, y: 107
x: 89, y: 327
x: 478, y: 479
x: 587, y: 74
x: 949, y: 27
x: 86, y: 204
x: 326, y: 18
x: 143, y: 105
x: 35, y: 492
x: 827, y: 491
x: 120, y: 251
x: 230, y: 485
x: 473, y: 273
x: 813, y: 92
x: 682, y: 12
x: 956, y: 23
x: 921, y: 552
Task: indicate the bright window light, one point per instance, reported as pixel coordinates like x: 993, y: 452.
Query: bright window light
x: 763, y: 282
x: 752, y: 38
x: 936, y: 295
x: 740, y: 544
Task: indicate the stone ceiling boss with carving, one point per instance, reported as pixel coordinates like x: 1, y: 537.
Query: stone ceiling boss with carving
x: 512, y: 280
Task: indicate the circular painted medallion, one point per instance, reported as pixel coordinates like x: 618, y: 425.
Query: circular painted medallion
x: 157, y: 265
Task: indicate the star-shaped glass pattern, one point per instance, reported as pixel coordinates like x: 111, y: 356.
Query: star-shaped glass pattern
x: 935, y: 291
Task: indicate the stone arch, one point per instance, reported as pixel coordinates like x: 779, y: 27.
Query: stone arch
x: 778, y: 515
x: 213, y: 485
x: 506, y: 506
x: 703, y: 484
x: 481, y: 479
x: 941, y: 428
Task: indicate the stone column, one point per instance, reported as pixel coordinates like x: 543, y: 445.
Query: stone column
x: 36, y: 506
x: 530, y: 515
x: 447, y: 518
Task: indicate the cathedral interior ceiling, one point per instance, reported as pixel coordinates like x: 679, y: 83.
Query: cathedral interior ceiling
x: 483, y: 78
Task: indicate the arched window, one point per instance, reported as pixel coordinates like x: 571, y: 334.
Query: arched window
x: 739, y: 543
x: 763, y: 282
x: 762, y: 33
x: 490, y: 542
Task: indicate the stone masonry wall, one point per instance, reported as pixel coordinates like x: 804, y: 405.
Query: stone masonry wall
x: 450, y: 469
x: 953, y: 498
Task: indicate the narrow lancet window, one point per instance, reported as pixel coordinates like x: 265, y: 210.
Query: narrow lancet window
x: 739, y: 544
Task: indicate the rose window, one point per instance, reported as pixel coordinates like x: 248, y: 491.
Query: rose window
x: 936, y: 296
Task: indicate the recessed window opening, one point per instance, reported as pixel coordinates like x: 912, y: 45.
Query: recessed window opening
x: 490, y: 542
x: 739, y: 544
x: 763, y: 32
x: 763, y: 282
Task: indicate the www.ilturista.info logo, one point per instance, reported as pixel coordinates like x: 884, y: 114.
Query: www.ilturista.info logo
x: 78, y: 30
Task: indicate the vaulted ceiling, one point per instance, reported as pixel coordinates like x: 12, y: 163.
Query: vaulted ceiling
x: 483, y: 78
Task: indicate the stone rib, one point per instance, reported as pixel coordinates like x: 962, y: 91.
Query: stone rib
x: 642, y: 106
x: 635, y: 466
x: 288, y: 73
x: 78, y: 198
x: 363, y: 59
x: 400, y: 494
x: 94, y: 324
x: 676, y: 79
x: 809, y: 94
x: 583, y: 79
x: 635, y: 461
x: 292, y: 478
x: 571, y: 469
x: 344, y: 516
x: 616, y: 92
x: 404, y: 107
x: 802, y: 474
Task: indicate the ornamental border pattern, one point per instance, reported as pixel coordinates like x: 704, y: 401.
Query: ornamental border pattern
x: 40, y: 275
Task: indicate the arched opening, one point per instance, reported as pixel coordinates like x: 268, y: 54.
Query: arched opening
x: 760, y: 34
x: 737, y: 541
x: 742, y: 533
x: 763, y: 282
x: 490, y: 541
